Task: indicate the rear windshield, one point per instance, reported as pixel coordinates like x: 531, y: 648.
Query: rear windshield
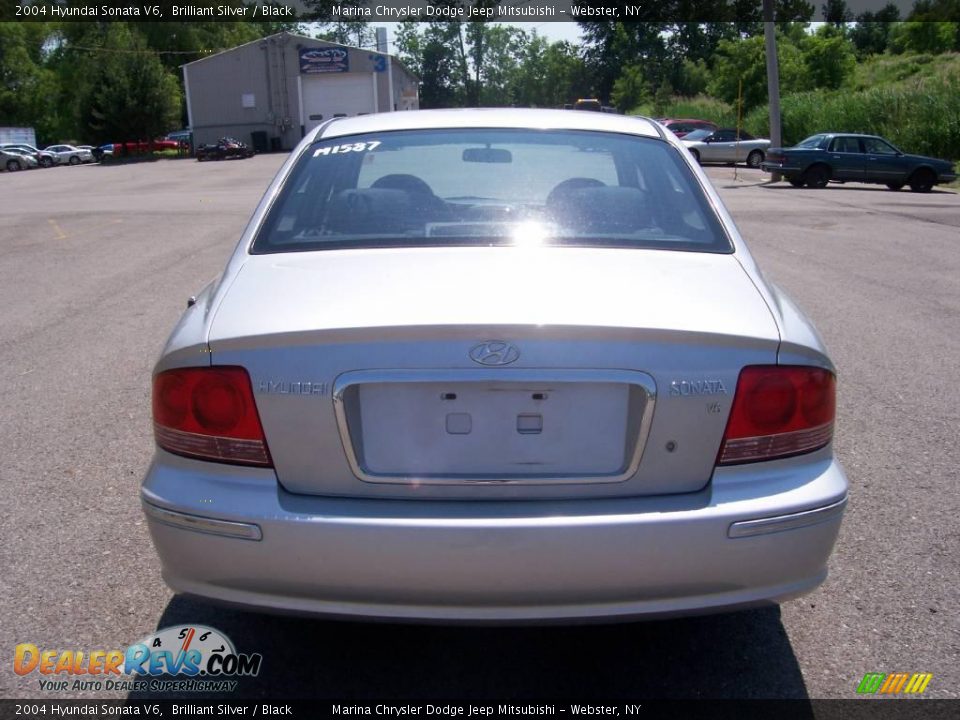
x: 814, y: 141
x: 490, y: 187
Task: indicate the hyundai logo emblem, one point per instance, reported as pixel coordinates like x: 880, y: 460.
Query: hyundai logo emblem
x: 494, y: 352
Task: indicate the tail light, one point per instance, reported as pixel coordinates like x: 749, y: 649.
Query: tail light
x: 209, y: 413
x: 779, y: 410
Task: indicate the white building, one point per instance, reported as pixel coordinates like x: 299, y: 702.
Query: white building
x: 272, y: 91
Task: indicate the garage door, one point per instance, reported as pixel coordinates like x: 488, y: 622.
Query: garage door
x: 325, y: 96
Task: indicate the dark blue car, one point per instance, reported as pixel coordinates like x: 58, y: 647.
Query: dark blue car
x: 842, y: 157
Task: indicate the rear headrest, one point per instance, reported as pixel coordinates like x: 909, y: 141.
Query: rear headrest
x: 601, y: 209
x: 380, y: 211
x: 400, y: 181
x: 370, y: 211
x: 560, y: 192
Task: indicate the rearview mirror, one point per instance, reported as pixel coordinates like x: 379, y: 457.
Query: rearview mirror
x: 487, y: 155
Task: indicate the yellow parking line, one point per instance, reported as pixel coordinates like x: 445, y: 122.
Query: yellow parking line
x: 115, y: 221
x: 61, y: 235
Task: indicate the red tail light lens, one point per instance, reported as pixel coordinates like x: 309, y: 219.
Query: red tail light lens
x: 209, y: 413
x: 779, y: 410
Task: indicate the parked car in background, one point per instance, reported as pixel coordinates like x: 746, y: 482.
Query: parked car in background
x: 14, y: 159
x: 43, y: 158
x: 183, y: 138
x: 726, y: 145
x: 681, y: 128
x: 133, y: 147
x: 91, y: 148
x: 224, y: 148
x: 69, y: 155
x: 846, y: 157
x: 588, y: 104
x: 392, y: 405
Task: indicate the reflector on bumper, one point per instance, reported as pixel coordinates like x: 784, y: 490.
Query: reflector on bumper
x: 793, y: 521
x: 245, y: 531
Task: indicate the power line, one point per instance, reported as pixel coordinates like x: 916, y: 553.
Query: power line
x: 129, y: 51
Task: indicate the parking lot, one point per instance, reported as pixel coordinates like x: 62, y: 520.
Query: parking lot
x: 96, y: 264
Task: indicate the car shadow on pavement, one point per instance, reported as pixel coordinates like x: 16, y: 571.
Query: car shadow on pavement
x: 853, y: 188
x: 737, y: 655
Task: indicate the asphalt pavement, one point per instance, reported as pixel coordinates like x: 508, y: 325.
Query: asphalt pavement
x: 96, y: 265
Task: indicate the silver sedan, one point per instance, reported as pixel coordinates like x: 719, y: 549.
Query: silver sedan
x: 493, y: 366
x: 69, y: 155
x: 726, y: 146
x: 13, y: 159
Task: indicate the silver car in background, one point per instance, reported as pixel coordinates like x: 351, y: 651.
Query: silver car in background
x: 69, y: 155
x: 726, y: 145
x: 13, y: 159
x: 493, y: 366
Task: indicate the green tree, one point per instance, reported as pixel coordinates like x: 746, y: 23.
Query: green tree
x: 837, y: 13
x: 631, y: 88
x: 829, y: 57
x: 28, y: 88
x: 356, y: 33
x: 430, y: 51
x: 498, y: 74
x: 939, y: 11
x: 924, y: 36
x: 131, y: 96
x: 693, y: 78
x: 180, y: 42
x: 612, y: 46
x: 871, y: 33
x: 550, y: 74
x: 662, y: 98
x: 745, y: 60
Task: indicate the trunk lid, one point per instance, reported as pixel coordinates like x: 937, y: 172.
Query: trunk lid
x: 375, y: 374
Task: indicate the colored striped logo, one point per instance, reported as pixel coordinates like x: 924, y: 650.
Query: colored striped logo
x: 894, y: 683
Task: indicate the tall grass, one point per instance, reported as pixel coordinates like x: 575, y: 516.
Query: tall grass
x: 922, y: 116
x: 700, y: 107
x: 891, y: 69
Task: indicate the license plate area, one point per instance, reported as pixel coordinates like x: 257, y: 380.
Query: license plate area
x: 494, y: 426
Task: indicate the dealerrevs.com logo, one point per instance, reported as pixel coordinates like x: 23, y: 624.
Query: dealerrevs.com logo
x: 186, y: 657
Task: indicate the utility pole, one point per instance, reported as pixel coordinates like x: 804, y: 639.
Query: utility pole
x: 773, y: 78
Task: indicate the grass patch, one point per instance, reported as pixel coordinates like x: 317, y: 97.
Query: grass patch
x: 879, y: 70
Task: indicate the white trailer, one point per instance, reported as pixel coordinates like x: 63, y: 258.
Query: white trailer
x: 17, y: 136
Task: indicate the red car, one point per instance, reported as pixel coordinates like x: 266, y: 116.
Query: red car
x: 142, y: 146
x: 683, y: 126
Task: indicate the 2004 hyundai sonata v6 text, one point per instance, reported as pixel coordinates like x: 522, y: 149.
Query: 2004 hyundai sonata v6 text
x: 493, y: 365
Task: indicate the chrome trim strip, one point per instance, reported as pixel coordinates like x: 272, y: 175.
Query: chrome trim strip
x: 779, y: 523
x: 197, y: 523
x: 634, y: 378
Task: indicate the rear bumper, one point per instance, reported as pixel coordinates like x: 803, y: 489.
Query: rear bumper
x: 782, y: 168
x: 496, y: 561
